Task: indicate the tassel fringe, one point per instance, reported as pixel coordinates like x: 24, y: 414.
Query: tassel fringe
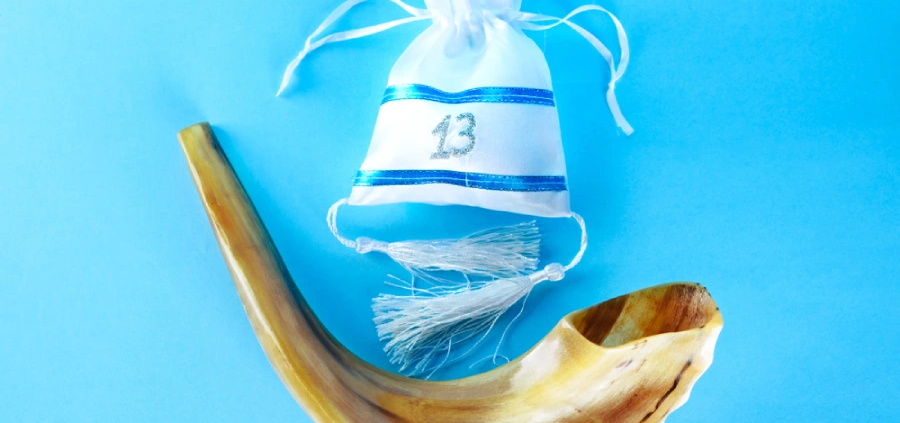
x: 498, y: 266
x: 420, y: 329
x: 497, y: 253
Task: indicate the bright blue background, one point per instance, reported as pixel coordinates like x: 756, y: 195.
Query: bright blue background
x: 765, y: 165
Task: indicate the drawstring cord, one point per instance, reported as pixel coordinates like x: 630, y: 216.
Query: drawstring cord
x: 526, y: 21
x: 417, y: 15
x: 529, y: 22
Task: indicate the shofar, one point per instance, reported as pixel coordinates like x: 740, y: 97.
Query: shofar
x: 631, y: 359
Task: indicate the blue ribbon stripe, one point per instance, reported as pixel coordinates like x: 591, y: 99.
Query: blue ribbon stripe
x: 534, y: 96
x: 376, y: 178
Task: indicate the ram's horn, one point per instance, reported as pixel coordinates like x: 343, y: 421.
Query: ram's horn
x: 631, y: 359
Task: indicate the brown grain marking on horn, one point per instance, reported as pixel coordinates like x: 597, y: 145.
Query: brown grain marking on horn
x: 669, y: 392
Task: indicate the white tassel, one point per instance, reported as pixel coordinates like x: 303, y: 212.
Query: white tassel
x: 497, y: 253
x: 420, y: 329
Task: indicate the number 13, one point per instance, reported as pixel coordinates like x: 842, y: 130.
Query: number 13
x: 443, y: 129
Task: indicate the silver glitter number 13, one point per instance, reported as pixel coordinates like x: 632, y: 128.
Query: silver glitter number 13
x: 443, y: 129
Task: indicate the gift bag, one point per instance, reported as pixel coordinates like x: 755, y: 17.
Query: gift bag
x: 469, y: 118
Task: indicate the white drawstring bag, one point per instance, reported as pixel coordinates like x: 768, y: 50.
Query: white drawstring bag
x: 468, y: 118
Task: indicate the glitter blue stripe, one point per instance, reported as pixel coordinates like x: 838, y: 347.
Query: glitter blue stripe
x: 377, y: 178
x: 476, y: 95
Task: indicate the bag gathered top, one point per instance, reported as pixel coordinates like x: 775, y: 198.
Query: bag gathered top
x: 468, y: 118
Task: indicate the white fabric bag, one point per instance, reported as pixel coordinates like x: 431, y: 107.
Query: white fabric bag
x: 468, y: 118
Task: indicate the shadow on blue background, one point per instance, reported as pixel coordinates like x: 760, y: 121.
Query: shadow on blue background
x: 765, y: 166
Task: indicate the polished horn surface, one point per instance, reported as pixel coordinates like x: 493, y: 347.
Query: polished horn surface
x: 634, y: 358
